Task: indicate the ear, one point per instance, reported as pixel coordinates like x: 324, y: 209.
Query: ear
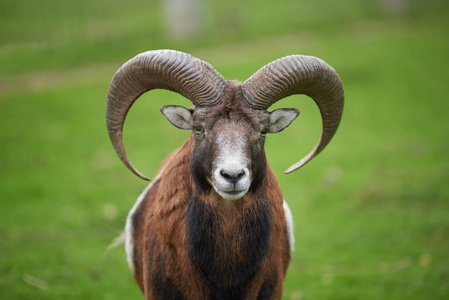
x: 281, y: 118
x: 179, y: 116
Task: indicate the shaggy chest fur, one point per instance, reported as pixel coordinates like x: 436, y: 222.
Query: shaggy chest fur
x: 229, y: 244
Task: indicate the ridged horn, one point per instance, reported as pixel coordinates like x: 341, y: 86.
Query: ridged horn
x: 176, y: 71
x: 299, y: 74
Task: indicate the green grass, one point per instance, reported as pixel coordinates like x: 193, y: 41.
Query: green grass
x: 371, y: 212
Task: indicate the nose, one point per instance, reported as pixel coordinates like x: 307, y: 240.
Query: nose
x: 232, y: 176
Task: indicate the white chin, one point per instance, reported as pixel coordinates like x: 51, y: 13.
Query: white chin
x: 234, y: 195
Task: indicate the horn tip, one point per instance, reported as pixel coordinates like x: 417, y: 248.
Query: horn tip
x: 298, y: 165
x: 143, y: 177
x: 291, y: 169
x: 137, y: 173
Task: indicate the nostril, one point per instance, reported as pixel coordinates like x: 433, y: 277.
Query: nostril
x: 224, y: 174
x: 232, y: 176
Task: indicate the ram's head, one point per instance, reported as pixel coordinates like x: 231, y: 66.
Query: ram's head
x: 229, y: 119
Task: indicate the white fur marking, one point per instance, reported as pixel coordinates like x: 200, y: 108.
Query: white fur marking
x: 289, y: 226
x: 129, y: 230
x: 231, y: 145
x: 231, y: 158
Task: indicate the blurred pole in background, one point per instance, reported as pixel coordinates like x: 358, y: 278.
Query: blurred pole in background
x: 397, y: 6
x: 183, y: 18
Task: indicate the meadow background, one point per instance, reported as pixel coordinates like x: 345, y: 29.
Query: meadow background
x: 371, y: 212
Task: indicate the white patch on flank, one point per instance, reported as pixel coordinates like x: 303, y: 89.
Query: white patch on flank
x: 129, y: 230
x: 289, y: 226
x: 231, y: 159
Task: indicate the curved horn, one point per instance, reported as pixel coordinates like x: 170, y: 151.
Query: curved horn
x: 164, y: 69
x: 299, y: 74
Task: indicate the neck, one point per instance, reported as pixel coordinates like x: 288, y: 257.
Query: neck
x: 229, y: 240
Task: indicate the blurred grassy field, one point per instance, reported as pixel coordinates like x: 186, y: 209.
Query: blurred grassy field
x: 371, y: 212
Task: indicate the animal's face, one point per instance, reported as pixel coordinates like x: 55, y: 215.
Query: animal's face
x: 229, y: 151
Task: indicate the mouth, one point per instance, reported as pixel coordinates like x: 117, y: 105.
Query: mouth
x: 232, y: 195
x: 234, y: 192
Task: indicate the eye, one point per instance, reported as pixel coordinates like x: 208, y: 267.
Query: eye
x: 263, y: 133
x: 198, y: 130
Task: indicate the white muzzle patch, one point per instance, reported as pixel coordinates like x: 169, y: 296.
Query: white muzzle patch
x: 231, y: 177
